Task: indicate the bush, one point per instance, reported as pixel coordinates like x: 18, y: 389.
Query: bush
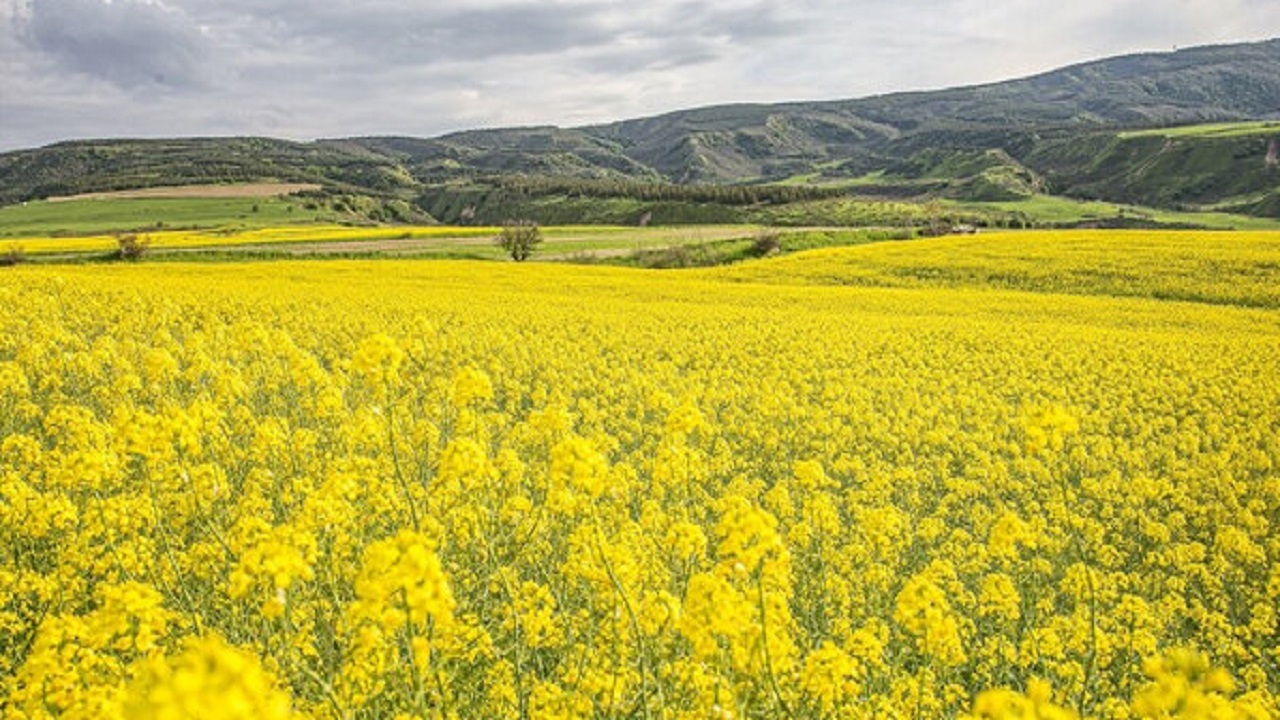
x: 518, y: 238
x: 132, y: 246
x: 15, y: 255
x: 767, y: 242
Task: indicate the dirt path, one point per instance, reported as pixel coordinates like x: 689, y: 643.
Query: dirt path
x: 322, y: 247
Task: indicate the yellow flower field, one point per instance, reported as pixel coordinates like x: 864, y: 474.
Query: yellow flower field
x: 1203, y: 266
x: 396, y: 489
x: 176, y: 239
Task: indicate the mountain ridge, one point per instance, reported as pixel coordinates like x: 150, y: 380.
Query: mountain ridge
x: 1059, y: 131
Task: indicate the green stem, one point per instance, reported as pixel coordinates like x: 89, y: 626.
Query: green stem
x: 642, y: 654
x: 399, y: 472
x: 768, y: 658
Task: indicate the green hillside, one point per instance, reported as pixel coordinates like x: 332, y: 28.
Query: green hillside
x: 72, y: 168
x: 1190, y: 130
x: 1233, y: 168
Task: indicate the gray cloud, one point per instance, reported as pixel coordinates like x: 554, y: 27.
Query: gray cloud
x: 324, y: 68
x: 127, y: 42
x: 402, y: 33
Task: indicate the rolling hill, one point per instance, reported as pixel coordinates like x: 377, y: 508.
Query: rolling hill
x: 1077, y: 131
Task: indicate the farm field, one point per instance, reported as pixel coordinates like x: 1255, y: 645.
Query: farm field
x: 1209, y: 267
x: 560, y: 242
x: 1022, y: 475
x: 1053, y: 209
x: 1227, y: 129
x: 93, y: 216
x: 221, y: 190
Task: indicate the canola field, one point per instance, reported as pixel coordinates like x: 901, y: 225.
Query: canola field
x: 229, y: 238
x: 397, y: 489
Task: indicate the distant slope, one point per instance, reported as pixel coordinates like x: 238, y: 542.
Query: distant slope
x: 737, y: 143
x: 1185, y: 171
x: 1059, y: 132
x: 72, y: 168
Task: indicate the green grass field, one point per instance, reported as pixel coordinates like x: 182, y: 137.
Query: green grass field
x: 1049, y: 209
x: 93, y: 216
x: 1231, y: 129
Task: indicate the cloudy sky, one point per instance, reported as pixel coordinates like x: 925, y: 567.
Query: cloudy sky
x: 325, y: 68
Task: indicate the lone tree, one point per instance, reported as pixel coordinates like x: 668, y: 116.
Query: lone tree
x: 518, y: 238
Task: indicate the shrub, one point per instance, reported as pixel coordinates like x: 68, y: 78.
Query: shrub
x: 767, y: 242
x: 15, y: 255
x: 132, y: 246
x: 518, y: 238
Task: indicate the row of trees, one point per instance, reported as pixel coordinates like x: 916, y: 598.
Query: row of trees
x: 534, y: 186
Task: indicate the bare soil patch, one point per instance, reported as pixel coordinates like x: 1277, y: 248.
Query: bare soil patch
x: 243, y: 190
x: 331, y: 247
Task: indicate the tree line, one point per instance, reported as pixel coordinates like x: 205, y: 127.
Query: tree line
x: 539, y: 186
